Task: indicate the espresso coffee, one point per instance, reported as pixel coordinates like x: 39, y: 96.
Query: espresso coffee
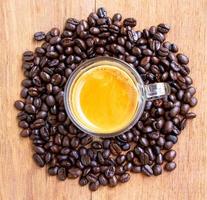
x: 104, y: 99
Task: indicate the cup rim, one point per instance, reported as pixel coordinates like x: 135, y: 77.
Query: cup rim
x: 139, y: 84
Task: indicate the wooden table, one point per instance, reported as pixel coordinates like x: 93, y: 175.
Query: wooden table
x: 21, y: 179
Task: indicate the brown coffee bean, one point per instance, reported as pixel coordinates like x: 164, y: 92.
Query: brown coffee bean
x: 103, y: 180
x: 124, y: 178
x: 115, y: 149
x: 168, y: 145
x: 168, y: 127
x: 19, y: 105
x: 50, y: 100
x: 39, y: 149
x: 113, y: 181
x: 157, y: 170
x: 174, y: 111
x: 170, y: 155
x: 184, y: 109
x: 25, y: 133
x: 53, y: 171
x: 147, y: 170
x: 38, y: 160
x: 94, y: 186
x: 74, y: 172
x: 170, y: 166
x: 190, y: 115
x: 130, y: 22
x: 83, y: 181
x: 182, y: 59
x: 163, y: 28
x: 61, y: 174
x: 39, y: 36
x: 193, y: 102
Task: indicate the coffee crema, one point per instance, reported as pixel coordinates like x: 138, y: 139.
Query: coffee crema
x: 104, y: 99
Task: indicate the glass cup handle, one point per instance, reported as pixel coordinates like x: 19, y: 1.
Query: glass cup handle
x: 157, y: 90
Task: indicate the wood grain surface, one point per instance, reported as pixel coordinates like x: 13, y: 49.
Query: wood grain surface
x: 21, y: 179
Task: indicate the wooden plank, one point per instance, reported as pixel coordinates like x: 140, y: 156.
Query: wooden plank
x: 21, y: 179
x: 188, y: 22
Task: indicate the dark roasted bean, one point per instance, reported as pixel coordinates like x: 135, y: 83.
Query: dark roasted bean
x: 124, y: 178
x: 53, y: 171
x: 157, y: 170
x: 19, y: 105
x: 130, y: 22
x: 170, y: 166
x: 25, y: 133
x: 182, y: 59
x: 38, y: 160
x: 39, y: 36
x: 193, y: 102
x: 163, y: 28
x: 113, y: 181
x: 147, y: 170
x: 94, y: 186
x: 61, y: 174
x: 170, y: 155
x: 74, y: 172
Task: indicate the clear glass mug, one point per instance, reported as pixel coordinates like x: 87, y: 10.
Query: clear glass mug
x: 147, y: 92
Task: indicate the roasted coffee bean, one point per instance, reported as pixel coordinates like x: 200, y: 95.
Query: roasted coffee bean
x: 115, y: 149
x: 130, y: 22
x: 182, y: 59
x: 61, y: 174
x: 39, y: 36
x: 113, y: 181
x: 25, y: 133
x: 168, y: 145
x: 172, y: 138
x: 190, y: 115
x: 74, y: 172
x: 157, y: 170
x: 101, y: 12
x: 50, y: 100
x: 174, y: 111
x: 30, y: 108
x: 124, y: 178
x: 19, y: 105
x: 184, y: 109
x: 168, y: 127
x: 110, y: 172
x: 143, y: 141
x: 136, y: 169
x: 170, y: 166
x: 159, y: 159
x: 91, y: 178
x: 170, y: 155
x: 144, y: 158
x: 39, y: 149
x: 117, y: 17
x: 83, y: 181
x: 102, y: 180
x: 193, y: 102
x: 94, y: 186
x: 147, y: 170
x: 86, y: 160
x: 53, y: 171
x: 38, y: 160
x: 163, y: 28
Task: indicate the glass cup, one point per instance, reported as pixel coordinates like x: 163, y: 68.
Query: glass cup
x: 146, y: 92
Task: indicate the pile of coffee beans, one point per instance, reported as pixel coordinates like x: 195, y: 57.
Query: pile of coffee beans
x: 64, y: 149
